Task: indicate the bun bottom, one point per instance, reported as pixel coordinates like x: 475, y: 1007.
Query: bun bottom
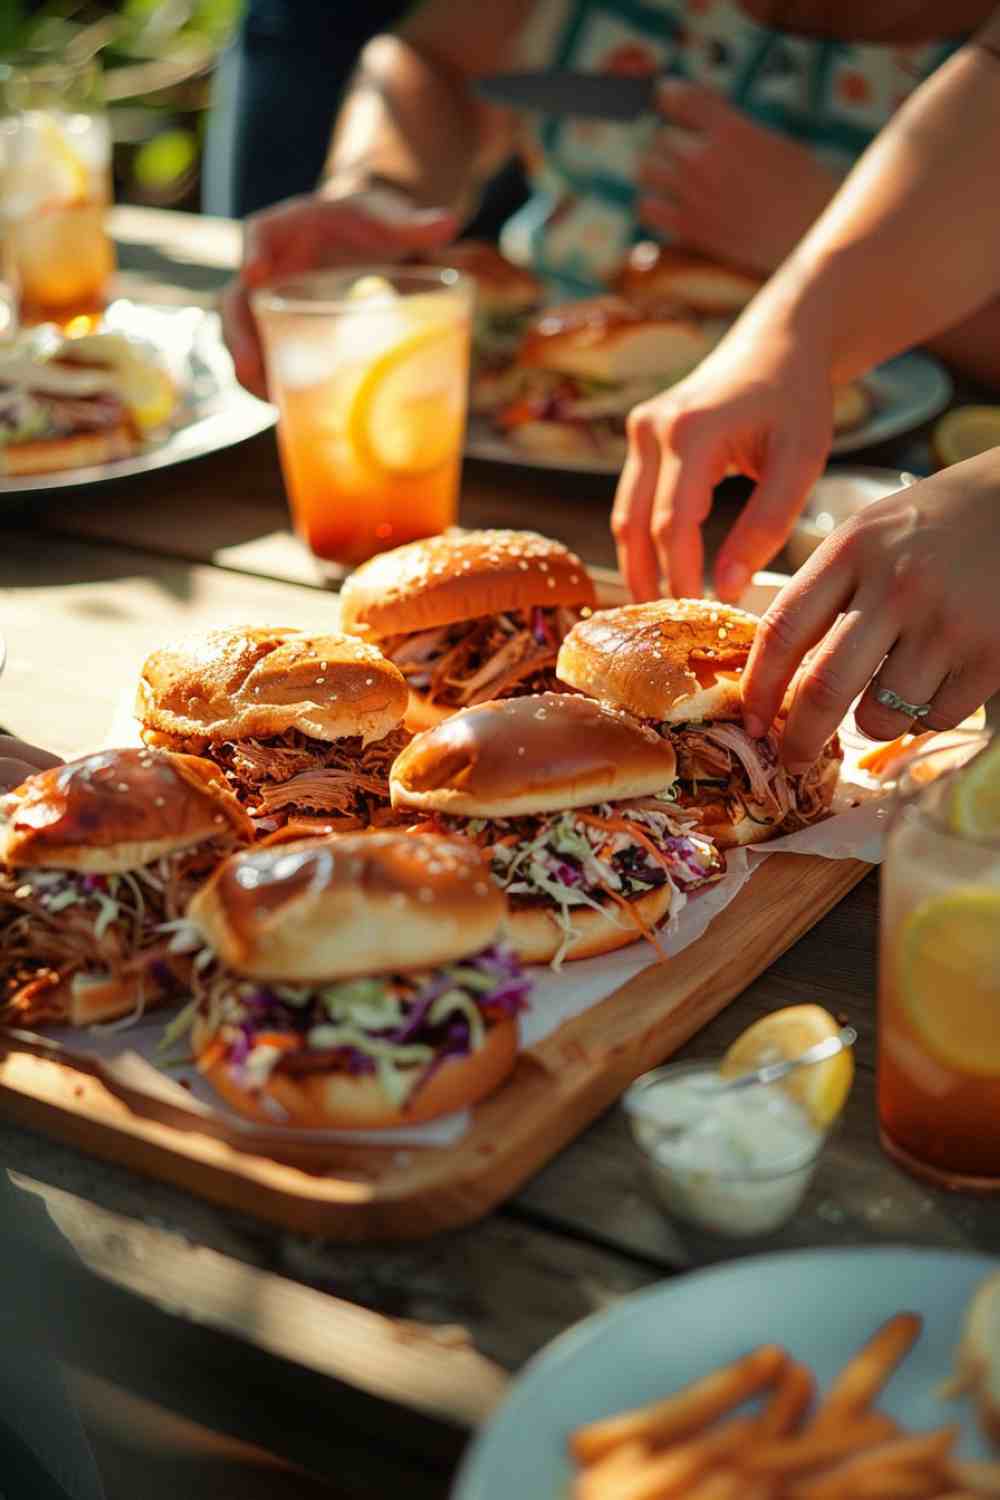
x: 727, y: 835
x: 536, y: 937
x: 342, y: 1101
x: 47, y: 455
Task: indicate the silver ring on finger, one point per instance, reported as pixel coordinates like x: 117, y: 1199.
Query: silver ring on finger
x: 892, y: 700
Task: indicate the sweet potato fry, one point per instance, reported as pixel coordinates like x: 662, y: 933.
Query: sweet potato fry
x: 980, y: 1478
x: 863, y: 1377
x: 684, y: 1412
x: 672, y: 1471
x: 926, y: 1452
x: 812, y: 1450
x: 788, y: 1401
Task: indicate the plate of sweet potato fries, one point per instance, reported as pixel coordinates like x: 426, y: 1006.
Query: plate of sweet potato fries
x: 809, y: 1375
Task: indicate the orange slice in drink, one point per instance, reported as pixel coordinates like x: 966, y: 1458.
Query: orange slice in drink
x: 949, y: 977
x: 822, y: 1089
x: 407, y: 414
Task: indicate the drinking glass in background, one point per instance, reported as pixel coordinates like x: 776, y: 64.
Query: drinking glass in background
x: 55, y: 187
x: 939, y: 977
x: 369, y: 371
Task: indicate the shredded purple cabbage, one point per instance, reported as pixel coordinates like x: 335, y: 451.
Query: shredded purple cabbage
x: 539, y: 626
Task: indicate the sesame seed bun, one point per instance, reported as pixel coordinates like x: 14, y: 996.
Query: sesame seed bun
x: 115, y: 811
x: 501, y: 286
x: 335, y: 908
x: 663, y: 275
x: 537, y: 937
x: 657, y: 660
x: 243, y: 682
x: 530, y: 755
x: 334, y: 1100
x: 461, y: 575
x: 606, y: 339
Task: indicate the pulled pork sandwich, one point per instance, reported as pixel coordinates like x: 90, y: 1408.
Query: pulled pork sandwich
x: 658, y: 277
x: 507, y: 297
x: 469, y: 616
x: 676, y: 665
x: 98, y: 860
x: 581, y: 368
x: 357, y: 982
x: 573, y: 804
x: 305, y: 727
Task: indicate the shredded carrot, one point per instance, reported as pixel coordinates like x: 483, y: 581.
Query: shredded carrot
x: 620, y: 825
x: 879, y: 760
x: 517, y: 413
x: 213, y: 1053
x: 284, y: 1041
x: 635, y: 915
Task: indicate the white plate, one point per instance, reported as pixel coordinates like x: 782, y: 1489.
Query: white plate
x: 908, y: 391
x: 215, y: 411
x: 821, y: 1305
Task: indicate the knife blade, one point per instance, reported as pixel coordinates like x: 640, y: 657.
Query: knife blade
x: 562, y: 91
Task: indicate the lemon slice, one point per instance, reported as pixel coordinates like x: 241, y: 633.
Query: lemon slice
x: 144, y: 386
x: 821, y: 1089
x: 974, y: 803
x: 408, y: 412
x: 57, y: 147
x: 966, y: 432
x: 949, y: 977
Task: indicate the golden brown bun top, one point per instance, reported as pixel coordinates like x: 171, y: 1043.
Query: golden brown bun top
x: 460, y: 576
x: 531, y: 755
x: 608, y: 339
x: 664, y: 276
x: 658, y: 660
x: 333, y: 908
x: 117, y: 810
x: 243, y: 682
x: 500, y: 284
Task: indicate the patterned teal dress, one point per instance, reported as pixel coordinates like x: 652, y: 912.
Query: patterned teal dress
x: 833, y: 97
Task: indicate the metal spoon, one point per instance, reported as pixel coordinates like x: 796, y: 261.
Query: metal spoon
x: 770, y: 1073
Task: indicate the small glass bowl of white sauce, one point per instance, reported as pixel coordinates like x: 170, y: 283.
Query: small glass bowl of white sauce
x: 839, y: 494
x: 735, y: 1164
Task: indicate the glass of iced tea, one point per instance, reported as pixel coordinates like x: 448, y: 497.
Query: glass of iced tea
x: 55, y: 187
x: 369, y: 370
x: 939, y: 970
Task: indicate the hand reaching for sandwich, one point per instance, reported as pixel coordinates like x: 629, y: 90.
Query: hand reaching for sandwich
x: 718, y: 182
x: 18, y: 761
x: 905, y: 597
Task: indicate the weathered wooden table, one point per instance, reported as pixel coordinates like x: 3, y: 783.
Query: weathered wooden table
x: 208, y: 1350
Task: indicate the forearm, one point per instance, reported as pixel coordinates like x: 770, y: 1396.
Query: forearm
x: 911, y: 243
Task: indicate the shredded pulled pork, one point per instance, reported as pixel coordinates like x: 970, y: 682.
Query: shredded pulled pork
x: 505, y: 655
x: 719, y: 764
x: 290, y: 774
x: 55, y: 924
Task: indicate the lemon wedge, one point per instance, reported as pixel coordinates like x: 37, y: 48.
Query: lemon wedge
x: 821, y: 1089
x: 68, y: 162
x: 144, y: 386
x: 949, y: 977
x: 407, y: 415
x: 974, y: 803
x: 966, y: 432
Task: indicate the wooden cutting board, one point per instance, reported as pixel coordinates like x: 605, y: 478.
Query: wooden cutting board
x: 391, y: 1193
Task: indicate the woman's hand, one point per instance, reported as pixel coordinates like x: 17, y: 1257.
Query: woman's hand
x: 758, y: 405
x: 906, y: 593
x: 715, y: 180
x: 302, y: 234
x: 18, y: 761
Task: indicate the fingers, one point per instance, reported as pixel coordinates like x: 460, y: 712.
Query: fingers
x: 239, y: 330
x: 683, y: 500
x: 801, y: 615
x: 692, y: 105
x: 630, y: 515
x: 793, y: 466
x: 33, y: 755
x: 915, y: 669
x: 963, y: 690
x: 847, y: 659
x: 308, y: 232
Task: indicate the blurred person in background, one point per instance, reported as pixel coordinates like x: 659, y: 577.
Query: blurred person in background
x: 760, y: 115
x: 902, y: 603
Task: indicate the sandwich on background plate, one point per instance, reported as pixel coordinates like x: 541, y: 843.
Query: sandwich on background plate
x: 78, y: 402
x: 305, y: 727
x: 469, y: 616
x: 358, y: 982
x: 676, y: 664
x: 507, y: 297
x: 98, y: 860
x: 573, y: 804
x: 582, y: 366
